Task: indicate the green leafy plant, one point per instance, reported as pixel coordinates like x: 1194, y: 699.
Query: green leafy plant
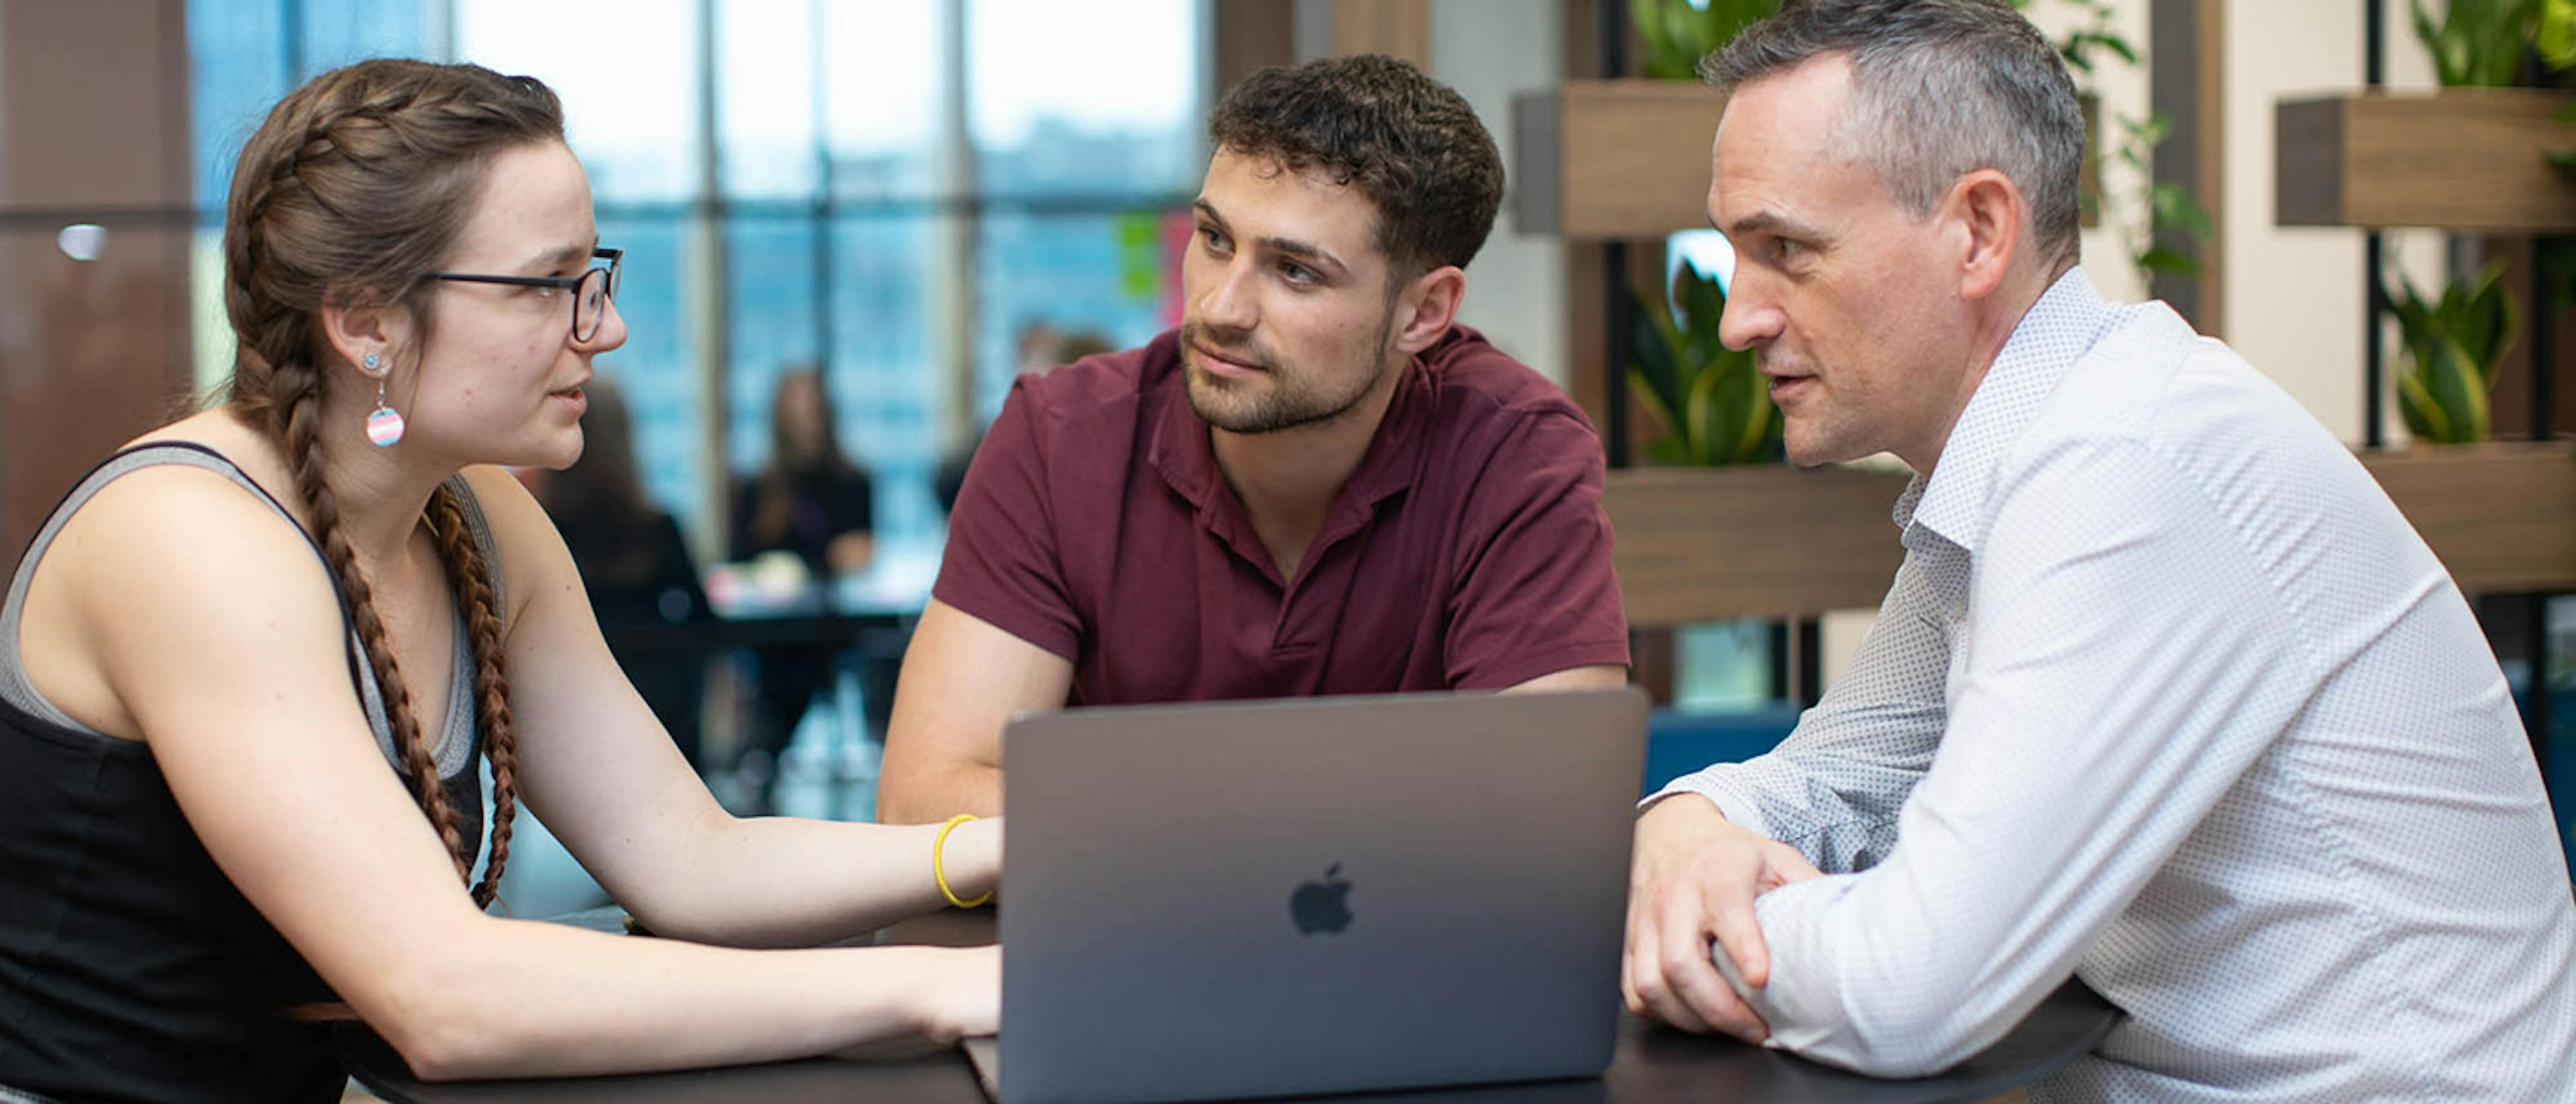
x: 2167, y: 205
x: 2563, y: 160
x: 2079, y: 45
x: 2141, y: 216
x: 2556, y: 34
x: 1713, y: 403
x: 2452, y: 347
x: 2481, y: 43
x: 1678, y: 33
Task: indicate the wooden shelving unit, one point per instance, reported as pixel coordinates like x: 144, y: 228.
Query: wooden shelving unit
x: 2501, y: 515
x: 1761, y: 540
x: 1706, y: 544
x: 1601, y: 160
x: 1613, y: 159
x: 2469, y: 160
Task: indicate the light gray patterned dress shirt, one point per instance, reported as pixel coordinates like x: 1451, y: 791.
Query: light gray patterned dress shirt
x: 2167, y: 696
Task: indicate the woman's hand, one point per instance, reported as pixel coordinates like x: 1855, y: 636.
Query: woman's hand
x: 958, y: 995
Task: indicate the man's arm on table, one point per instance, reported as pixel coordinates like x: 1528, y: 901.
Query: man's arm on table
x: 1595, y: 677
x: 2131, y: 662
x: 962, y: 680
x: 965, y: 674
x: 1829, y: 794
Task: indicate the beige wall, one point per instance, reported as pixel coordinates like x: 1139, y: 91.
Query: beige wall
x: 2295, y: 295
x: 2123, y: 92
x: 1490, y: 50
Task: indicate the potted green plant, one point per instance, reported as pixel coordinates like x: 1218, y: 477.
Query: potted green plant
x: 2480, y: 43
x: 2138, y: 217
x: 2387, y: 158
x: 2452, y: 347
x: 1714, y: 406
x: 1676, y: 33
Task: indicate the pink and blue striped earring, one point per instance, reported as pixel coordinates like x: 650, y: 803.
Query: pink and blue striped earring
x: 384, y: 424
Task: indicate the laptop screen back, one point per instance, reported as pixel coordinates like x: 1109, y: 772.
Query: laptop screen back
x: 1315, y: 895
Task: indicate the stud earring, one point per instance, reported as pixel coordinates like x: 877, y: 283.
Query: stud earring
x: 384, y: 424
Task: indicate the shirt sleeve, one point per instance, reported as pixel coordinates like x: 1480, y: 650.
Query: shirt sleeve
x: 1538, y: 593
x: 2129, y: 663
x: 1002, y: 564
x: 1833, y: 789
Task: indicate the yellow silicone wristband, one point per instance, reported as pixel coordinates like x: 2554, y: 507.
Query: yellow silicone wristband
x: 939, y: 872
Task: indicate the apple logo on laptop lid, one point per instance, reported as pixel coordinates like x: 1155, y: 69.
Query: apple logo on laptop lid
x: 1320, y: 905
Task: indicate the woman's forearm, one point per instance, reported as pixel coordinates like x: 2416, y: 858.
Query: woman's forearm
x: 789, y: 882
x: 527, y: 999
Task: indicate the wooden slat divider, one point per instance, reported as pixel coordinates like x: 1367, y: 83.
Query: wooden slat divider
x: 2464, y: 159
x: 2501, y: 515
x: 1604, y: 159
x: 1760, y: 541
x: 1773, y: 541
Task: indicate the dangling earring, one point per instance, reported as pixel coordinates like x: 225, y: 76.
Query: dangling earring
x: 385, y: 424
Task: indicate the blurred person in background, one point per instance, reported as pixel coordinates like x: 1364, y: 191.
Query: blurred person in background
x: 633, y: 561
x: 1043, y: 349
x: 817, y: 505
x: 812, y: 500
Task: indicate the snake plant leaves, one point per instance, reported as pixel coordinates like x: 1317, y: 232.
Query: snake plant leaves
x: 2556, y: 37
x: 1711, y: 401
x: 1678, y: 33
x: 2452, y: 345
x: 2478, y: 43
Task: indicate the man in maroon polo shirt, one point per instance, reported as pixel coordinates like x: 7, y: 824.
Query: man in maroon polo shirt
x: 1318, y: 484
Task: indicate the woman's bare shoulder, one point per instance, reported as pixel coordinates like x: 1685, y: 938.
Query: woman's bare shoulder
x: 146, y: 522
x: 223, y: 431
x: 166, y: 522
x: 162, y: 564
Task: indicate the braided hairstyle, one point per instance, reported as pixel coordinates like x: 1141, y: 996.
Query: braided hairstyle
x: 351, y: 193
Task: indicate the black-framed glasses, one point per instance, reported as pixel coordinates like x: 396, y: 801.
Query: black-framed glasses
x: 591, y: 291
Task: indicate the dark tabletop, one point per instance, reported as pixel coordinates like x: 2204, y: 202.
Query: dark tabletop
x: 1650, y: 1063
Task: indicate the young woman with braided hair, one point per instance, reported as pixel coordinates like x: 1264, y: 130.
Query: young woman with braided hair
x: 202, y: 845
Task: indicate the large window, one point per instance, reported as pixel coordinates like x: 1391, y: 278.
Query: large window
x: 1078, y: 236
x: 891, y: 191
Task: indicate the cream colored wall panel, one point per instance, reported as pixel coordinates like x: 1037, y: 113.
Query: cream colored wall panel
x: 1489, y: 50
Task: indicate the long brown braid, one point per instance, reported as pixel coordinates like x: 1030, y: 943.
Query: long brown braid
x: 349, y: 194
x: 463, y: 557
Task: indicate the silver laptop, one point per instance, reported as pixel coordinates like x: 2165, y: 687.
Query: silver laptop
x: 1311, y: 896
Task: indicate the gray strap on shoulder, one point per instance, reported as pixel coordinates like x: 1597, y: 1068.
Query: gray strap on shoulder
x: 14, y: 686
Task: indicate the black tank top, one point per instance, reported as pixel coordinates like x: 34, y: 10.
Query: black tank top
x: 130, y: 968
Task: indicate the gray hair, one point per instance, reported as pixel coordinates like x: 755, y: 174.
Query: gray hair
x: 1941, y: 88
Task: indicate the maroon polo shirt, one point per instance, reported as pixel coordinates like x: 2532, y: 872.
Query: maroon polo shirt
x: 1468, y: 550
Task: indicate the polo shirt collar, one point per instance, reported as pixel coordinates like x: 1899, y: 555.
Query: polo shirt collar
x: 2056, y: 332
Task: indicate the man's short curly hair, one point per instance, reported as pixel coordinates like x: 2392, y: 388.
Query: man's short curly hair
x: 1409, y: 143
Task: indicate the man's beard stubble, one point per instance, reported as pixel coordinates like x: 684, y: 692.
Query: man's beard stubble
x: 1292, y: 401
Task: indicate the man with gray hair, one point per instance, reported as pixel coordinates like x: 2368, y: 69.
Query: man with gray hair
x: 2165, y: 695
